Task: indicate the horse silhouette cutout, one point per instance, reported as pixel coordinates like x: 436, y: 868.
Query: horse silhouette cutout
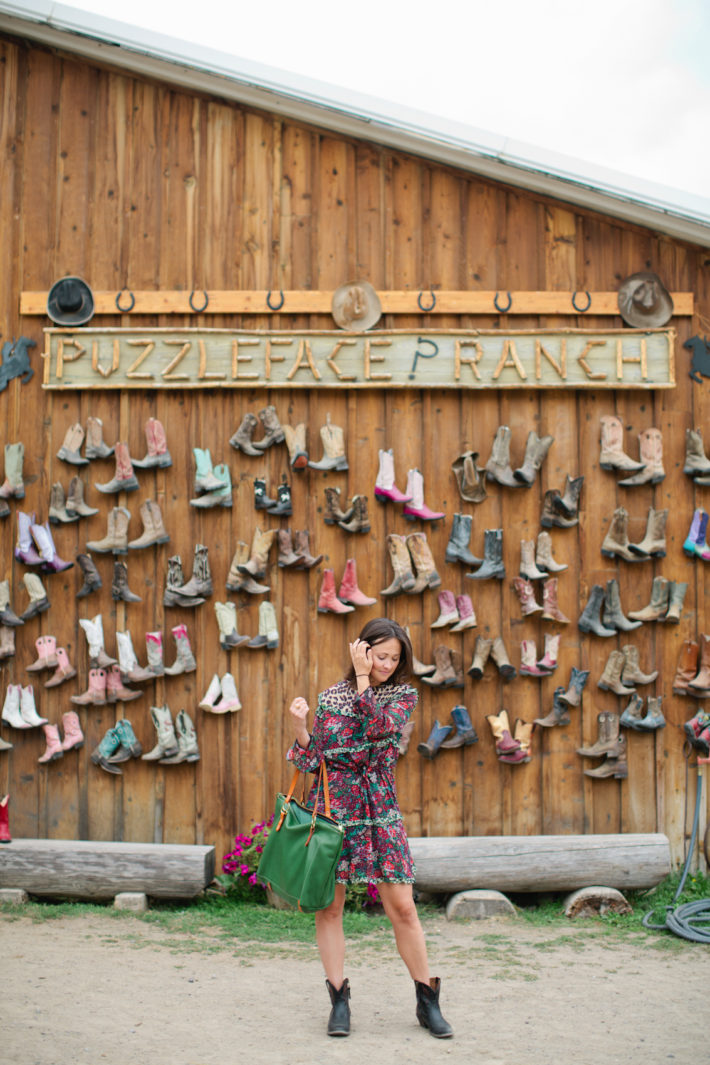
x: 16, y: 361
x: 700, y: 362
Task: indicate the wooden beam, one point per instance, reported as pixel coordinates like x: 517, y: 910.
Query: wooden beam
x: 540, y: 863
x: 320, y: 302
x: 83, y: 869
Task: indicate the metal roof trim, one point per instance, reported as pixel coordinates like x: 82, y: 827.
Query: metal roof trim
x: 670, y: 211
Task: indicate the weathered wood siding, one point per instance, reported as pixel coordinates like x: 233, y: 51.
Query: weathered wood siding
x: 127, y: 183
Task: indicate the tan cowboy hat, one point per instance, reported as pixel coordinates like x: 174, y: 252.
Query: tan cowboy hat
x: 70, y: 302
x: 356, y: 305
x: 644, y: 301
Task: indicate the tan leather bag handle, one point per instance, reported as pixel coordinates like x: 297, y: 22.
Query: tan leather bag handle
x: 322, y: 779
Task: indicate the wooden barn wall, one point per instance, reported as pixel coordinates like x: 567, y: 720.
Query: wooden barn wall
x: 129, y: 183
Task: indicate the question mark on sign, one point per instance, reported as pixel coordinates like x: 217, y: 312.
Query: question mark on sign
x: 423, y: 354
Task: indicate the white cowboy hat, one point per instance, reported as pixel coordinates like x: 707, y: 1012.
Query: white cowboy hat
x: 356, y: 305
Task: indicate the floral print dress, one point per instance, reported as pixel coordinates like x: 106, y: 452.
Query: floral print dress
x: 357, y: 736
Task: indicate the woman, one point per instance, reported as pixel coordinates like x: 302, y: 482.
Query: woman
x: 356, y: 730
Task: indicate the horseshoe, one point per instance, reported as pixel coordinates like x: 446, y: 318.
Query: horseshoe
x: 199, y: 310
x: 431, y: 306
x: 274, y: 306
x: 502, y: 310
x: 131, y: 305
x: 581, y: 310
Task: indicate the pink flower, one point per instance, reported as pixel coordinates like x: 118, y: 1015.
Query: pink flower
x: 253, y: 879
x: 244, y: 869
x: 259, y: 848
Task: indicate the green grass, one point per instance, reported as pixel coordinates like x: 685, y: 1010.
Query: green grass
x: 213, y: 915
x: 216, y: 922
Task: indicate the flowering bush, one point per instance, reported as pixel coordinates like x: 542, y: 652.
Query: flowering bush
x: 239, y: 866
x: 361, y: 896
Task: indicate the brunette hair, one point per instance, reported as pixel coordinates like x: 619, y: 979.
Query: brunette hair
x: 377, y: 631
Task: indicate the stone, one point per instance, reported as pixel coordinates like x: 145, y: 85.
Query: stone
x: 595, y: 902
x: 137, y: 901
x: 478, y: 905
x: 13, y: 896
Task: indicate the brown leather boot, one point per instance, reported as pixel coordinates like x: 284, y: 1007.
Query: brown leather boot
x: 609, y: 741
x: 550, y: 607
x: 658, y: 605
x: 360, y: 521
x: 302, y: 550
x: 654, y: 542
x: 612, y: 766
x: 526, y: 595
x: 242, y: 439
x: 700, y: 686
x: 424, y: 565
x: 632, y: 672
x: 610, y: 680
x: 445, y: 674
x: 481, y: 652
x: 287, y: 556
x: 259, y: 557
x: 296, y: 444
x: 273, y: 433
x: 404, y: 580
x: 612, y: 455
x: 498, y: 467
x: 75, y: 500
x: 241, y: 582
x: 334, y: 513
x: 687, y: 667
x: 616, y: 541
x: 651, y: 454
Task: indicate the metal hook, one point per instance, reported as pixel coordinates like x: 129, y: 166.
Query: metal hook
x: 431, y: 306
x: 581, y: 310
x: 199, y: 310
x: 274, y: 306
x: 131, y: 305
x: 496, y: 304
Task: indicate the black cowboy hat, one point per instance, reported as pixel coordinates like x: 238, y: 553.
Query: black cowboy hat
x: 70, y: 302
x: 644, y: 301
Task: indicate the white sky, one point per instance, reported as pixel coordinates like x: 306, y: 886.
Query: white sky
x: 624, y: 84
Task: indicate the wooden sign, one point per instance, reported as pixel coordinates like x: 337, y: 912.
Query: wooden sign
x: 468, y: 359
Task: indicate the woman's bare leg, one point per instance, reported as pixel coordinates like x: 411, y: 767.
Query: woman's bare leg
x: 331, y: 938
x: 398, y: 902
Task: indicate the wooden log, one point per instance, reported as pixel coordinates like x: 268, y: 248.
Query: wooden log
x: 539, y: 863
x: 83, y: 869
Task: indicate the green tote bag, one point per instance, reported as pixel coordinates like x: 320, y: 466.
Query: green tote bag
x: 302, y: 849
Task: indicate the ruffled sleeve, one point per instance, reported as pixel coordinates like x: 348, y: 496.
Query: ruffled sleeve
x: 382, y: 718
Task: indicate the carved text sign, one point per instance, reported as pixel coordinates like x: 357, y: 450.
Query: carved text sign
x: 468, y: 359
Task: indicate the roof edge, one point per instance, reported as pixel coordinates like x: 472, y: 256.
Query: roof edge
x: 356, y: 115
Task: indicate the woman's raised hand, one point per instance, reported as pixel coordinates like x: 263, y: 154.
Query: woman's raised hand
x: 361, y: 656
x: 299, y: 710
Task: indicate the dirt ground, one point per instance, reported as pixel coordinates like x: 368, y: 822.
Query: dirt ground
x: 109, y: 991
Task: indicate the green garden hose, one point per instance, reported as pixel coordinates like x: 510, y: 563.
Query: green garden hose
x: 684, y: 919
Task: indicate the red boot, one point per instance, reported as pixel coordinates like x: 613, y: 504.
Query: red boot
x: 328, y: 600
x: 349, y: 591
x: 5, y: 836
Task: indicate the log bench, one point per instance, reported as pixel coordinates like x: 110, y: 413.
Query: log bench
x: 446, y: 864
x: 83, y: 869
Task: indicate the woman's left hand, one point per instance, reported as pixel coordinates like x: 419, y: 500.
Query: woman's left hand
x: 361, y: 657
